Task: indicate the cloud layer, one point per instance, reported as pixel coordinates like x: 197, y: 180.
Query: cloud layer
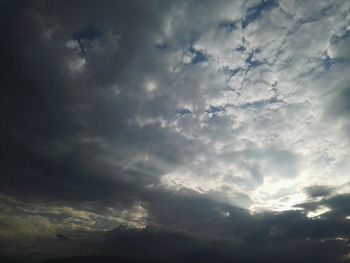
x: 212, y: 124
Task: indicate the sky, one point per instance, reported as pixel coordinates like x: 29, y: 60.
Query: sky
x: 175, y: 131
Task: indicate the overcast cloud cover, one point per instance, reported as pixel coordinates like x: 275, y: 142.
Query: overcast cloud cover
x: 192, y: 131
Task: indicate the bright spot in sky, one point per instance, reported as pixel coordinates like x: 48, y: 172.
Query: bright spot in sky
x: 319, y: 211
x: 151, y: 86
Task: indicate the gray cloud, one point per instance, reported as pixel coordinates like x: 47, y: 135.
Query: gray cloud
x: 207, y: 125
x: 318, y: 191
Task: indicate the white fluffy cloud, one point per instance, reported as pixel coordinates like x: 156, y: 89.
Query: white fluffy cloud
x: 257, y: 103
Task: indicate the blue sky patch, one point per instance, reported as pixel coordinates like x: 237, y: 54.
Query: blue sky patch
x: 183, y: 111
x: 229, y: 26
x: 88, y: 34
x: 214, y: 109
x: 254, y: 12
x: 251, y: 62
x: 198, y: 56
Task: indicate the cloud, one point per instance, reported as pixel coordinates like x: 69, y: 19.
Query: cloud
x: 180, y: 117
x: 251, y: 237
x: 318, y: 191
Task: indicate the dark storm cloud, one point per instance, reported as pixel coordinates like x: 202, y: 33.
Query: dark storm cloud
x: 54, y: 120
x: 318, y: 191
x: 208, y: 235
x: 63, y: 127
x: 268, y: 237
